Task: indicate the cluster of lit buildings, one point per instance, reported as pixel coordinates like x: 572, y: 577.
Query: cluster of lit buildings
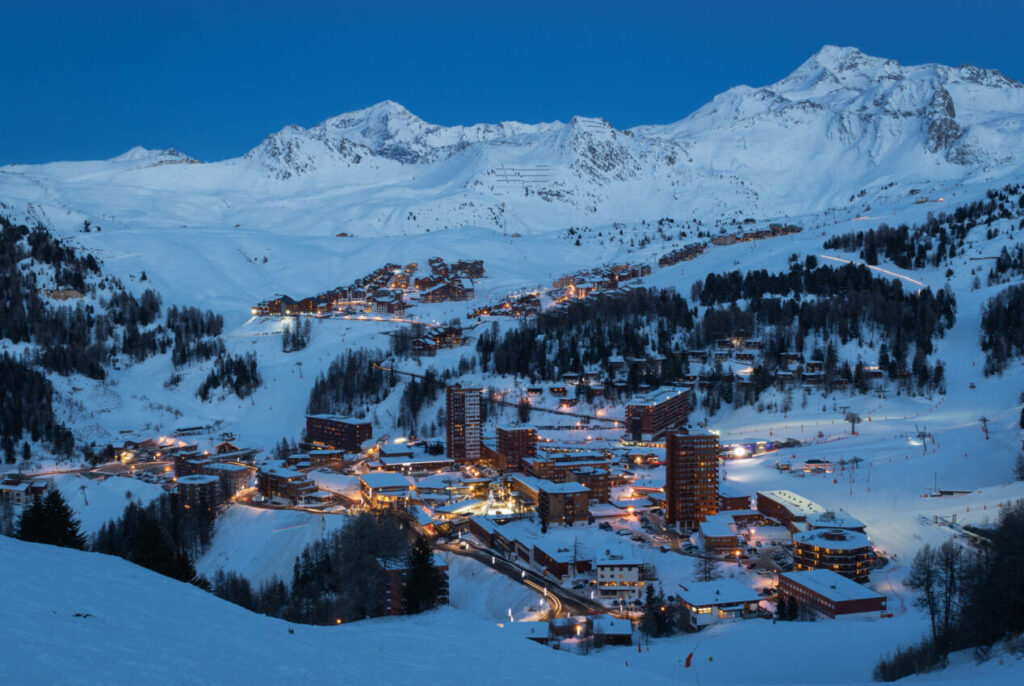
x: 384, y: 290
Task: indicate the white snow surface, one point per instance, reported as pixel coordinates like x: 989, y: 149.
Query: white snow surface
x: 82, y: 618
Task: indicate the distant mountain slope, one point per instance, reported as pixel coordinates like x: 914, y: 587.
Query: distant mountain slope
x: 841, y: 123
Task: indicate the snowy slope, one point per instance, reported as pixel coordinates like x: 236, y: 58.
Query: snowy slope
x: 102, y: 620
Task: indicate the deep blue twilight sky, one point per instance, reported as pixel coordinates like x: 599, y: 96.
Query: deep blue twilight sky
x: 88, y: 80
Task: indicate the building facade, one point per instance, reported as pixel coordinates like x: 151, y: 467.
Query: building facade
x: 463, y: 424
x: 828, y: 593
x: 515, y: 443
x: 787, y: 508
x: 337, y: 432
x: 620, y: 577
x: 691, y: 478
x: 564, y: 503
x: 650, y: 418
x: 842, y: 551
x: 200, y: 493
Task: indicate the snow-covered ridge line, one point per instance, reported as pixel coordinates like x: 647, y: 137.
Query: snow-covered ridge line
x: 843, y: 131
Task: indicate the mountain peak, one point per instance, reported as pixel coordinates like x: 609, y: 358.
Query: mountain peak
x: 836, y: 58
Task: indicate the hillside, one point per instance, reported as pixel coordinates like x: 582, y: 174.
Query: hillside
x: 105, y: 621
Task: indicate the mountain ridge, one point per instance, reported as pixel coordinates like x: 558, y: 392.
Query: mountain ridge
x: 842, y: 122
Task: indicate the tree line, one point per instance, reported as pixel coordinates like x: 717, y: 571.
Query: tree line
x: 808, y: 309
x: 939, y: 238
x: 1002, y: 329
x: 973, y: 597
x: 350, y: 385
x: 342, y: 577
x: 238, y: 374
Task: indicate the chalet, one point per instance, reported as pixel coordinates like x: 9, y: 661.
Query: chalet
x: 621, y: 576
x: 422, y: 347
x: 304, y: 306
x: 474, y: 269
x: 714, y: 602
x: 451, y: 290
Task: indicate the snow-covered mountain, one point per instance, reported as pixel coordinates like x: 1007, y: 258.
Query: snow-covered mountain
x: 841, y: 123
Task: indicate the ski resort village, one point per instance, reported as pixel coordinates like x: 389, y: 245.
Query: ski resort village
x: 386, y: 400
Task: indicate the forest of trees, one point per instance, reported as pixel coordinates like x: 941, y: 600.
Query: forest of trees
x: 26, y: 410
x: 1002, y: 329
x: 196, y: 335
x: 340, y: 577
x: 941, y: 237
x: 350, y: 384
x: 809, y: 309
x: 238, y: 374
x: 86, y: 335
x: 296, y: 336
x: 160, y: 536
x: 973, y: 597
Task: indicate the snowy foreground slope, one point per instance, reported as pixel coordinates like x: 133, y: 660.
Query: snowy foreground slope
x: 105, y: 621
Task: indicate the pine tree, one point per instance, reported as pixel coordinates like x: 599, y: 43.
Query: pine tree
x: 423, y: 583
x: 31, y: 522
x: 153, y: 551
x: 60, y: 526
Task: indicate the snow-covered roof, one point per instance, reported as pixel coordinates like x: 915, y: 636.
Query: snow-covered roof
x: 606, y: 625
x: 836, y: 539
x: 283, y: 472
x: 22, y: 487
x: 832, y: 585
x: 227, y: 467
x: 338, y: 418
x: 566, y: 488
x: 442, y: 480
x: 718, y: 592
x: 717, y: 526
x: 728, y: 490
x: 462, y: 506
x: 198, y: 479
x: 656, y: 397
x: 618, y: 557
x: 797, y: 504
x: 405, y: 461
x: 835, y: 520
x: 385, y: 480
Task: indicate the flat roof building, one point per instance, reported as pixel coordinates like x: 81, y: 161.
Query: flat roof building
x: 337, y: 432
x: 649, y: 418
x: 462, y: 424
x: 691, y: 477
x: 828, y: 593
x: 842, y: 551
x: 787, y: 508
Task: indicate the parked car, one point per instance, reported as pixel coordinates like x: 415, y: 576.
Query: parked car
x: 624, y: 532
x: 605, y: 525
